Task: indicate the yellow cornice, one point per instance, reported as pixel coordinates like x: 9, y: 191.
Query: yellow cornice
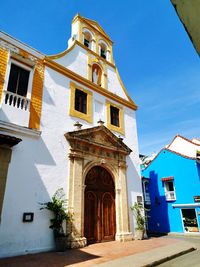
x: 61, y: 54
x: 74, y: 76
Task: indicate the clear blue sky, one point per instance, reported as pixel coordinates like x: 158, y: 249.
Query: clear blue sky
x: 152, y: 51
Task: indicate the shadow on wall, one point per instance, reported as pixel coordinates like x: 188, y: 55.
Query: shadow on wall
x: 198, y: 168
x: 26, y: 187
x: 158, y: 221
x: 133, y: 185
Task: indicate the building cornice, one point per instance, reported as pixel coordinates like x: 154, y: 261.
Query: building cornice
x: 16, y: 129
x: 74, y: 76
x: 13, y: 41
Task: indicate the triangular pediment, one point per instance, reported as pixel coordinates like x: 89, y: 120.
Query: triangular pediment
x: 96, y: 26
x: 98, y: 136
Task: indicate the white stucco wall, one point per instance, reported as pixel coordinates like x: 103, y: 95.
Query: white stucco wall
x: 40, y: 164
x: 184, y: 147
x: 114, y: 85
x: 76, y: 60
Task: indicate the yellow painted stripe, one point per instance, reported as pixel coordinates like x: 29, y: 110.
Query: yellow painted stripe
x: 3, y: 67
x: 36, y: 98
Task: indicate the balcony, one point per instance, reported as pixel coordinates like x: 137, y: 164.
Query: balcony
x: 16, y: 101
x: 170, y: 195
x: 147, y: 199
x: 15, y: 109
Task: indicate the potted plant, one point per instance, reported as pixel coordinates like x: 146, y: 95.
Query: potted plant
x: 59, y: 209
x: 139, y: 214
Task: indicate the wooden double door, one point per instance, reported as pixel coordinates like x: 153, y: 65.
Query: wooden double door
x: 99, y: 212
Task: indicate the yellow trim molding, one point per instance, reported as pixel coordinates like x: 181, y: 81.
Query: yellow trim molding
x: 3, y: 67
x: 62, y: 54
x: 36, y: 97
x: 119, y: 129
x: 72, y: 112
x: 85, y: 82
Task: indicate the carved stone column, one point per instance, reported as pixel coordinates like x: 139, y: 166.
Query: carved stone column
x: 122, y: 209
x: 75, y: 239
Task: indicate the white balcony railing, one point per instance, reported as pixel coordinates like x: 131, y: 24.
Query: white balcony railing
x: 170, y: 195
x: 16, y: 101
x: 147, y: 198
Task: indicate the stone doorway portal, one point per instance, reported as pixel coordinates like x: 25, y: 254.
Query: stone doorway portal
x: 99, y: 211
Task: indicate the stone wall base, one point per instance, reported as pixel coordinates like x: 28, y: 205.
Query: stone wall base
x: 77, y: 242
x: 122, y: 237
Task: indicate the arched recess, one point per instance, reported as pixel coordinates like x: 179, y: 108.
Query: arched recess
x: 99, y: 78
x: 96, y: 74
x: 99, y: 206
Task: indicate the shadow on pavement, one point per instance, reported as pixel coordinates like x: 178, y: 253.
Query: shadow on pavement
x: 50, y: 259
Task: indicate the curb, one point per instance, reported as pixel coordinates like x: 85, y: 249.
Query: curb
x: 168, y: 258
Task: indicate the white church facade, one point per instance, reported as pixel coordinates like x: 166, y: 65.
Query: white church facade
x: 66, y: 121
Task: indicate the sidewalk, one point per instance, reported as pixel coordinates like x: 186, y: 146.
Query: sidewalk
x: 134, y: 253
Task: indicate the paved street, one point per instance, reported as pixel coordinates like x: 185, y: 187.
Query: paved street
x: 135, y: 253
x: 191, y: 259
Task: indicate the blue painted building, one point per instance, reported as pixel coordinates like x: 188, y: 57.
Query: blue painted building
x: 172, y: 180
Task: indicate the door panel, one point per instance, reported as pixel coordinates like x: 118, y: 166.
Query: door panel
x: 99, y: 221
x: 90, y: 217
x: 108, y: 217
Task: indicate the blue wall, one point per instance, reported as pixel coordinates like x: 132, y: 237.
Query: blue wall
x: 186, y: 172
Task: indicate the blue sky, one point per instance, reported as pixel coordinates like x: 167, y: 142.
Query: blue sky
x: 154, y: 56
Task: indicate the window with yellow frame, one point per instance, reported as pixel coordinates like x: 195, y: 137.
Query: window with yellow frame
x: 115, y: 117
x: 80, y: 103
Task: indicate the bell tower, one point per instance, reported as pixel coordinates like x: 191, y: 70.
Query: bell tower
x: 91, y: 35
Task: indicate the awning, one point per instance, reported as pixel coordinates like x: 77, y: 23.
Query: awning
x: 9, y: 140
x: 186, y: 205
x: 167, y: 178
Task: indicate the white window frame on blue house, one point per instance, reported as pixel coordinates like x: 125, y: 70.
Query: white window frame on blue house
x: 170, y: 195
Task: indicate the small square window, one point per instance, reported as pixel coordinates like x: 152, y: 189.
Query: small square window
x: 139, y: 200
x: 114, y: 116
x: 81, y: 101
